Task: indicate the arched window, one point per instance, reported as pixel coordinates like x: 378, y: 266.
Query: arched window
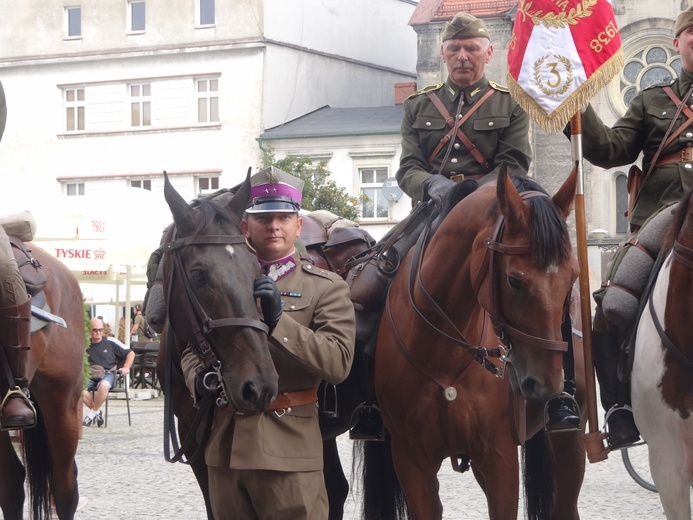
x: 621, y: 203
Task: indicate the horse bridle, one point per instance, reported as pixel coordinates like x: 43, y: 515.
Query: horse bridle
x: 504, y: 331
x: 202, y: 324
x: 684, y: 256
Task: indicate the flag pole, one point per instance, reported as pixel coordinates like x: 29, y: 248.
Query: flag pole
x: 594, y: 444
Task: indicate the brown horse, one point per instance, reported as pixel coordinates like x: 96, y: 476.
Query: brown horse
x: 57, y: 376
x: 662, y: 377
x: 208, y: 272
x: 440, y: 363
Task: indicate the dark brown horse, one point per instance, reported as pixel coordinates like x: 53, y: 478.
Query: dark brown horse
x: 503, y: 250
x: 208, y: 274
x: 57, y: 376
x: 662, y: 378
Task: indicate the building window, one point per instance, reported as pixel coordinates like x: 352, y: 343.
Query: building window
x: 73, y: 20
x: 207, y: 184
x: 372, y: 180
x: 143, y: 184
x: 74, y: 109
x: 621, y: 203
x: 74, y: 189
x: 205, y: 12
x: 136, y: 16
x: 141, y: 105
x: 207, y: 100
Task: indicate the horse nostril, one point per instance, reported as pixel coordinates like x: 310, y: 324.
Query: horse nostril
x: 529, y: 387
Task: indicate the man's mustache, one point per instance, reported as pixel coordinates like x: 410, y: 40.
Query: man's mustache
x: 463, y: 65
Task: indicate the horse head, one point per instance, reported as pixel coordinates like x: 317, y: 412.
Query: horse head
x: 208, y: 278
x: 523, y: 272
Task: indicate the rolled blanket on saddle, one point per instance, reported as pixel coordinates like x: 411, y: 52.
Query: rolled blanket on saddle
x: 20, y: 225
x: 628, y: 278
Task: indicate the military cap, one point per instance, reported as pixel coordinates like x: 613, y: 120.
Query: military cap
x: 684, y: 21
x: 465, y: 25
x: 274, y: 191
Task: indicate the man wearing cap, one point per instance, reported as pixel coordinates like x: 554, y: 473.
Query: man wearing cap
x: 651, y: 121
x: 465, y: 127
x: 270, y: 465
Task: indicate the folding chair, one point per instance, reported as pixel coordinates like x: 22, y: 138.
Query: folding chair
x: 121, y: 386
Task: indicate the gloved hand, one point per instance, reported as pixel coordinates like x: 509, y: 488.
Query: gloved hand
x: 436, y: 186
x: 270, y: 300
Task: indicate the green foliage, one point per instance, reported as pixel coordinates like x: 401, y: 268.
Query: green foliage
x: 319, y: 192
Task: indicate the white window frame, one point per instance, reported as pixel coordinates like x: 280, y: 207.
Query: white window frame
x: 378, y: 193
x: 69, y: 10
x: 131, y: 20
x: 201, y: 7
x: 73, y: 108
x: 140, y: 96
x: 78, y: 188
x: 212, y: 182
x: 145, y: 184
x: 207, y: 97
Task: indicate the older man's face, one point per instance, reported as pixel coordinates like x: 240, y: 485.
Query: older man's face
x: 466, y: 59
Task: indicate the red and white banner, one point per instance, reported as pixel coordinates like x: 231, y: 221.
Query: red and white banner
x: 561, y: 53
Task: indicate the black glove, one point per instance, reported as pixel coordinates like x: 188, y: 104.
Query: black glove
x: 270, y: 300
x: 436, y: 186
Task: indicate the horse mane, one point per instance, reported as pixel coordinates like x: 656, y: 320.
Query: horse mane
x: 677, y: 223
x: 213, y: 207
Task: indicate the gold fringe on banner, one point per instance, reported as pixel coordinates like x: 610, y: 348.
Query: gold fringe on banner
x: 556, y: 121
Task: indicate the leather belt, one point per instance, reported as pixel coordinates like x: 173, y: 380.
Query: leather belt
x: 685, y: 155
x: 286, y: 400
x: 459, y: 177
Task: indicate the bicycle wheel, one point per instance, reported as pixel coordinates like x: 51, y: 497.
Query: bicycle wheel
x: 637, y: 462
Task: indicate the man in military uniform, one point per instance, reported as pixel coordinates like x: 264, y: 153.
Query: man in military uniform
x: 17, y: 412
x: 270, y: 465
x: 465, y: 127
x: 659, y: 115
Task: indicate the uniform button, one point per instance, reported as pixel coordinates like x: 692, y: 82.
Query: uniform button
x: 689, y: 135
x: 428, y: 123
x: 309, y: 267
x: 285, y: 340
x: 292, y: 307
x: 453, y: 160
x: 490, y: 123
x: 687, y: 166
x: 664, y: 113
x: 459, y: 116
x: 456, y: 146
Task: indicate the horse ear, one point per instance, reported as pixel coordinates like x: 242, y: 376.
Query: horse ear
x: 565, y: 196
x: 509, y: 201
x: 239, y: 201
x: 180, y: 209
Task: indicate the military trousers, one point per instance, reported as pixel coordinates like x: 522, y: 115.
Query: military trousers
x: 267, y: 495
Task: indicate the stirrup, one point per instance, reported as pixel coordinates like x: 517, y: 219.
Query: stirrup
x: 368, y: 424
x: 628, y: 434
x: 17, y: 393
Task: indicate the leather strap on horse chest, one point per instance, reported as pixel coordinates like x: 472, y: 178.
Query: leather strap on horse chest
x: 285, y: 400
x: 455, y: 128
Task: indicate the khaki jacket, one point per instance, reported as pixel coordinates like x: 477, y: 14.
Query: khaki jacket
x: 313, y: 341
x: 642, y: 129
x: 499, y: 129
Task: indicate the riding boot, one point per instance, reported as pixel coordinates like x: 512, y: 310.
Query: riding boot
x: 563, y: 413
x: 17, y: 412
x: 620, y: 425
x: 368, y: 424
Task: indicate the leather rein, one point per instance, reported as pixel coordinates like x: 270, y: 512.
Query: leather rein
x: 202, y: 326
x: 684, y: 256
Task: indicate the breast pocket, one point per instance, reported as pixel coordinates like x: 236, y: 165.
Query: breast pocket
x: 423, y: 122
x: 661, y: 113
x: 301, y: 304
x: 490, y: 124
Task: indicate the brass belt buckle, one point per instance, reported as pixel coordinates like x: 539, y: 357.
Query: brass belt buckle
x: 457, y: 178
x: 686, y: 154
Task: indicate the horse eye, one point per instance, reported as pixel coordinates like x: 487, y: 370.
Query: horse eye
x: 515, y: 283
x: 198, y: 276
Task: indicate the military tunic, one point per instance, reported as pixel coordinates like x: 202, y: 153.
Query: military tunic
x: 642, y: 129
x: 313, y: 341
x: 499, y: 129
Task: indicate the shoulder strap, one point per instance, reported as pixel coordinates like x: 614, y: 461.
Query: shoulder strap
x: 455, y: 126
x: 669, y: 136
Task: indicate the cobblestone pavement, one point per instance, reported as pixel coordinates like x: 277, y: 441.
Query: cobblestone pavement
x: 123, y: 475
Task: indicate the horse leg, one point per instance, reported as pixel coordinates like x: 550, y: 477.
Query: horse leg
x: 335, y: 481
x: 419, y: 480
x: 497, y: 473
x: 12, y: 475
x: 568, y: 454
x: 668, y: 474
x: 199, y: 468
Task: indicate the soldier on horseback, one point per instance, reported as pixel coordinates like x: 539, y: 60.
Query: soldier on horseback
x: 658, y: 125
x: 15, y: 319
x: 438, y: 149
